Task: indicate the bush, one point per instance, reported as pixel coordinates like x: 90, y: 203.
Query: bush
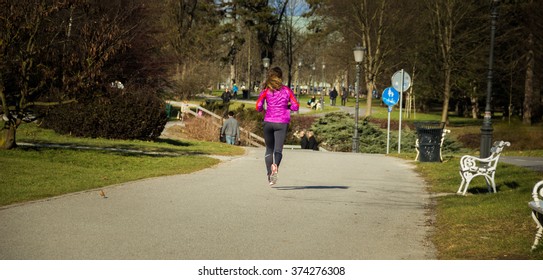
x: 117, y: 114
x: 250, y: 119
x: 335, y: 133
x: 202, y: 129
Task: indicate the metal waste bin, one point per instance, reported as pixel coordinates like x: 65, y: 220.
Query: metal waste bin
x: 429, y: 136
x: 168, y: 110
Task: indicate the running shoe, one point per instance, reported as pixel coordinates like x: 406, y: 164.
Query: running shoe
x: 273, y: 176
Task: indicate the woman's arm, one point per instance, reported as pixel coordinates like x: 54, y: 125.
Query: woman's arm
x: 294, y: 105
x: 260, y: 100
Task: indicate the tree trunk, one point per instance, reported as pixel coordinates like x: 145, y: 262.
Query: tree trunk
x: 369, y: 89
x: 232, y: 74
x: 7, y: 137
x: 446, y: 95
x: 474, y: 103
x: 528, y: 83
x: 474, y: 107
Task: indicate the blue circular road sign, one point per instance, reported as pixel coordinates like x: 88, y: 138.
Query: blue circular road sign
x: 390, y: 96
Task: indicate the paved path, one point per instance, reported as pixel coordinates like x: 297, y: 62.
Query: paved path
x: 534, y: 163
x: 325, y: 206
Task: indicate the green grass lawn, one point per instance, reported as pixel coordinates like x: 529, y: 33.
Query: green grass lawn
x: 36, y: 173
x: 34, y: 134
x: 482, y: 225
x: 30, y: 173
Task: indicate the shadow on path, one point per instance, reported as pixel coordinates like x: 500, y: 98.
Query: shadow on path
x: 292, y: 188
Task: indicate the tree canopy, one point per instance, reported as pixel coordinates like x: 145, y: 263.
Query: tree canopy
x: 60, y: 52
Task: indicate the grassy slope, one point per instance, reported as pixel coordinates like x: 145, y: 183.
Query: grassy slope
x: 30, y: 173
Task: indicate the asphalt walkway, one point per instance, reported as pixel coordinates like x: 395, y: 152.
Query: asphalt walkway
x: 326, y: 205
x: 534, y: 163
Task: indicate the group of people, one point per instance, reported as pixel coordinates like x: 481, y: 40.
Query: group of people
x: 315, y: 104
x: 308, y: 140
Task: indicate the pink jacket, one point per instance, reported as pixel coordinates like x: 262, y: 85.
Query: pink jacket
x: 277, y: 104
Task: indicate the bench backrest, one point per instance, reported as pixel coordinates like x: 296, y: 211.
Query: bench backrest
x: 496, y: 150
x: 537, y: 193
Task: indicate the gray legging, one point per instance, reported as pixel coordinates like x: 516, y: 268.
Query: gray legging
x: 274, y: 135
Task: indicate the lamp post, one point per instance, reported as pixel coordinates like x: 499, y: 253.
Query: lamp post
x: 296, y: 89
x: 322, y: 89
x: 358, y: 58
x: 486, y: 128
x: 313, y: 82
x: 266, y: 64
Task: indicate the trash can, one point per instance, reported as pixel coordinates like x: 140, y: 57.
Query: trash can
x: 168, y: 110
x: 245, y: 93
x: 429, y: 136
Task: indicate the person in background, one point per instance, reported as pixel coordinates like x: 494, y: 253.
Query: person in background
x: 312, y: 103
x: 344, y: 95
x: 333, y: 95
x: 304, y: 142
x: 226, y: 96
x: 312, y: 143
x: 230, y: 129
x: 235, y: 91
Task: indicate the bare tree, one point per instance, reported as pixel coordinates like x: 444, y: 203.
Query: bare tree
x: 447, y: 15
x: 527, y: 35
x: 292, y: 37
x: 194, y: 32
x: 56, y: 52
x: 370, y: 24
x: 23, y: 77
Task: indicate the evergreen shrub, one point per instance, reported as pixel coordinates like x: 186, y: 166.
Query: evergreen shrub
x: 335, y: 133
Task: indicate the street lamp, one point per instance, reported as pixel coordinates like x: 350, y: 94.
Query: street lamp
x: 313, y: 82
x: 296, y: 89
x: 322, y: 89
x: 486, y: 128
x: 266, y: 64
x: 358, y: 58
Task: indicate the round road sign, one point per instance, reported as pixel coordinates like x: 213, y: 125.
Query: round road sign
x: 397, y: 81
x: 390, y: 96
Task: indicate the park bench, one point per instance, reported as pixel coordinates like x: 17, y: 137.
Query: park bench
x: 443, y: 134
x: 471, y: 167
x: 537, y: 211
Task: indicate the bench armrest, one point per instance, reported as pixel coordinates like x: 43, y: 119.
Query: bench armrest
x: 537, y: 192
x: 467, y: 161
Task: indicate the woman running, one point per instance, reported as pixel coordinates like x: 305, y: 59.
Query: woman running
x: 280, y: 101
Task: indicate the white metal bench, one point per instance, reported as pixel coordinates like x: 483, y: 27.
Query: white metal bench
x: 471, y: 167
x: 537, y: 211
x: 417, y: 146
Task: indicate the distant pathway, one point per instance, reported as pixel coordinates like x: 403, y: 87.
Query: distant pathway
x: 534, y: 163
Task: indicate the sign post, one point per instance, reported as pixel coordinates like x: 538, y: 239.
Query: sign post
x: 390, y: 97
x: 401, y: 81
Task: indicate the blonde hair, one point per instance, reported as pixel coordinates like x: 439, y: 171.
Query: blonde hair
x: 274, y: 79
